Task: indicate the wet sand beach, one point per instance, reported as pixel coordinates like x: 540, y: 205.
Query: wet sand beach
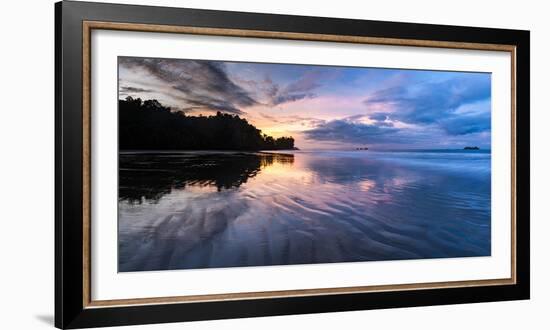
x: 185, y: 210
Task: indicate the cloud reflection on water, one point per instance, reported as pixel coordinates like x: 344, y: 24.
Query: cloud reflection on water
x: 194, y: 210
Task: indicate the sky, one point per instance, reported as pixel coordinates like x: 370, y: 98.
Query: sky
x: 324, y: 107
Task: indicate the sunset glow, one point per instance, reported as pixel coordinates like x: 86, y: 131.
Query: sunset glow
x: 325, y: 107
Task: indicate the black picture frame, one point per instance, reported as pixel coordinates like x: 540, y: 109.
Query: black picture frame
x: 70, y: 309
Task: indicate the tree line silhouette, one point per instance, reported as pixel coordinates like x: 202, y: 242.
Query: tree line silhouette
x: 148, y: 125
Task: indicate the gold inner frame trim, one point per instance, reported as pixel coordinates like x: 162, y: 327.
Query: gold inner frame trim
x: 88, y: 26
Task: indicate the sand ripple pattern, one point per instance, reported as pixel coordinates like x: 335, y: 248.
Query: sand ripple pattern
x: 300, y: 208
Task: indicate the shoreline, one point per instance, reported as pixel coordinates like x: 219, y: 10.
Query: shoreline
x: 166, y: 151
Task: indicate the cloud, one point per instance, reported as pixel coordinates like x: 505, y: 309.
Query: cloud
x: 354, y: 130
x: 290, y: 97
x: 350, y: 131
x: 467, y: 124
x: 130, y: 89
x: 379, y: 116
x: 294, y: 119
x: 306, y: 83
x: 436, y: 103
x: 295, y: 91
x: 198, y: 84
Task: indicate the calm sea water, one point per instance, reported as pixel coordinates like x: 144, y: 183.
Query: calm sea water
x: 183, y: 210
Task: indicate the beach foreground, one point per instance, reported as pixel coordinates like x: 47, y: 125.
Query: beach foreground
x: 185, y: 210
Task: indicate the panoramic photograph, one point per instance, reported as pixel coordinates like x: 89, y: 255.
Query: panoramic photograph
x: 234, y: 164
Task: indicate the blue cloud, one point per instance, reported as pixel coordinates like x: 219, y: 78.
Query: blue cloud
x: 456, y: 132
x: 437, y: 103
x: 379, y: 116
x: 467, y: 124
x: 349, y: 131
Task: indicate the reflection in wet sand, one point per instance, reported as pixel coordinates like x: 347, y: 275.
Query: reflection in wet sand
x: 152, y: 175
x: 211, y: 209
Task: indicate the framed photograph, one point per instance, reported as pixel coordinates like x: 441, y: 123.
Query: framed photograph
x: 218, y: 164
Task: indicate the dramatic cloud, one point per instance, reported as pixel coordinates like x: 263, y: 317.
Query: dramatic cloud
x: 458, y: 130
x: 295, y: 91
x: 436, y: 103
x: 351, y: 131
x: 198, y: 84
x: 467, y: 124
x: 324, y: 106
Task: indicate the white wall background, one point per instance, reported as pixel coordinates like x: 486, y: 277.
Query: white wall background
x: 27, y: 163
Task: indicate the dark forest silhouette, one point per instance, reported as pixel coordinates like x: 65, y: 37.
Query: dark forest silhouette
x: 148, y: 125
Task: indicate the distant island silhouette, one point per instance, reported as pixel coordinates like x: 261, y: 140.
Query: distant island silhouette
x: 471, y: 148
x: 148, y: 125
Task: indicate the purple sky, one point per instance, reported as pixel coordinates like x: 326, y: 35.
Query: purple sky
x: 324, y: 106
